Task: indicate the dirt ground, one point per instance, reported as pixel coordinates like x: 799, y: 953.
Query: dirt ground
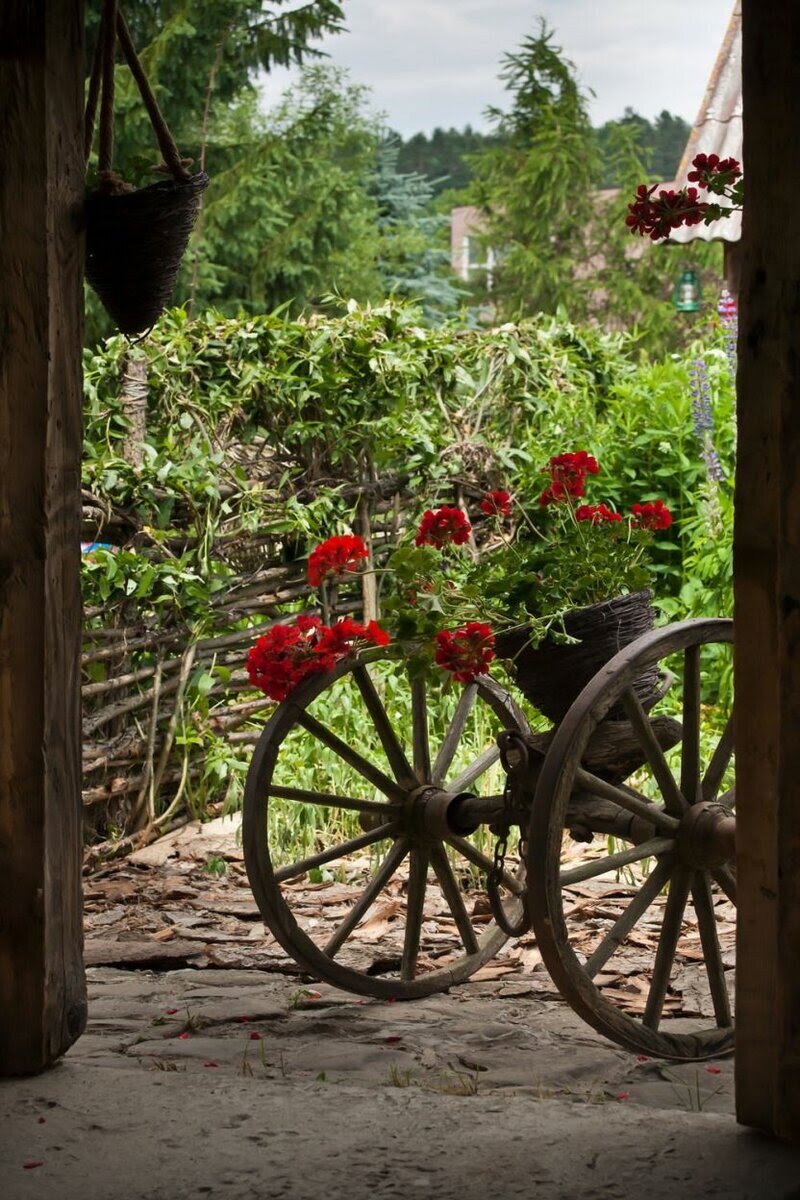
x: 211, y: 1067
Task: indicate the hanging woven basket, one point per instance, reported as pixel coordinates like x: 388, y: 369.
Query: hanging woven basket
x: 552, y: 675
x: 135, y: 239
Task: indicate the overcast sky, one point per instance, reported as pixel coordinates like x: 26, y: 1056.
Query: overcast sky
x: 435, y: 62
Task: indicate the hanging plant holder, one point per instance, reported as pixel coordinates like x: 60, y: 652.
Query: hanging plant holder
x: 135, y: 238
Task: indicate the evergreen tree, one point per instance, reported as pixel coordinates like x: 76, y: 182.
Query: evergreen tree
x: 201, y: 52
x: 290, y: 217
x: 662, y: 142
x: 444, y: 156
x: 536, y: 185
x: 414, y: 258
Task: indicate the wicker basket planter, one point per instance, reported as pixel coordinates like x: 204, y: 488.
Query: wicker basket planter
x: 134, y: 245
x: 552, y: 675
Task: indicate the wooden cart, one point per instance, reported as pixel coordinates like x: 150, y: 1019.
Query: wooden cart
x: 626, y: 823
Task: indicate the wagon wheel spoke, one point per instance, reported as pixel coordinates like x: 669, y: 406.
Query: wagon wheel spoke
x: 690, y: 719
x: 455, y: 901
x: 376, y: 885
x: 474, y: 771
x: 628, y: 799
x: 415, y: 904
x: 667, y: 945
x: 391, y: 745
x: 419, y: 730
x: 455, y: 729
x: 623, y: 925
x: 360, y: 764
x: 715, y: 969
x: 610, y: 862
x: 712, y: 780
x: 326, y: 800
x: 729, y: 798
x: 673, y: 800
x: 339, y: 851
x: 726, y: 879
x: 480, y: 860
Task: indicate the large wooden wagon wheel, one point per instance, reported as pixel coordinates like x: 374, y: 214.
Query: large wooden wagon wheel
x: 674, y: 863
x: 385, y: 852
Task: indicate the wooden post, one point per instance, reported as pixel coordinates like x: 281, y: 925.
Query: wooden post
x: 767, y: 581
x: 42, y: 989
x: 133, y: 396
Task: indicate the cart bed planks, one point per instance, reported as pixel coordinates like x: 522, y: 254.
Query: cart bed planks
x: 42, y: 989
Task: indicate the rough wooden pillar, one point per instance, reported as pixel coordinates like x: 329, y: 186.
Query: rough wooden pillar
x: 42, y: 990
x: 767, y: 580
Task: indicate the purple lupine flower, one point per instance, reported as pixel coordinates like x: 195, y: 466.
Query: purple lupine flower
x: 729, y: 319
x: 701, y: 398
x: 703, y: 418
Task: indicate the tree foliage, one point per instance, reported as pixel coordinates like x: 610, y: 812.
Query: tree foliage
x: 290, y: 217
x: 559, y: 242
x: 196, y: 49
x: 661, y: 143
x: 536, y: 185
x: 413, y: 251
x: 443, y: 155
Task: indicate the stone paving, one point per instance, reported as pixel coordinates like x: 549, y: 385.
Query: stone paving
x: 243, y: 1083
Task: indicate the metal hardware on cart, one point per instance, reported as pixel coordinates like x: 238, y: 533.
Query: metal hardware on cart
x: 514, y: 758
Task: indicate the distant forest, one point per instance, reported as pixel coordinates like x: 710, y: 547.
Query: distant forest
x: 444, y: 156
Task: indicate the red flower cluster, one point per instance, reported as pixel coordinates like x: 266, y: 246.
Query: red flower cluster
x: 598, y: 514
x: 467, y: 652
x: 711, y: 166
x: 496, y: 504
x: 443, y: 526
x: 652, y: 515
x: 568, y: 475
x: 335, y: 557
x: 657, y: 216
x: 287, y: 654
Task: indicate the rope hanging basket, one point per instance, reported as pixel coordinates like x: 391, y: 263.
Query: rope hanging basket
x: 552, y: 675
x: 135, y: 239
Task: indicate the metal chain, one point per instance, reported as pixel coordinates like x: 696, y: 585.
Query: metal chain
x: 494, y: 876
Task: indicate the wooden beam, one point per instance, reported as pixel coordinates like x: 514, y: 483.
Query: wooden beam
x: 767, y: 581
x: 42, y: 989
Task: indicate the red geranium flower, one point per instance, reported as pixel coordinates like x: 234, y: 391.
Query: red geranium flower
x: 598, y: 514
x: 340, y: 639
x: 335, y: 557
x: 496, y: 504
x: 658, y: 216
x: 652, y: 515
x: 288, y: 654
x: 285, y: 655
x: 467, y: 652
x: 443, y: 526
x: 568, y: 475
x: 707, y: 166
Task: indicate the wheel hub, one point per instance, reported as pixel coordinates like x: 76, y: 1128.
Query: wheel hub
x: 706, y: 837
x: 431, y: 812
